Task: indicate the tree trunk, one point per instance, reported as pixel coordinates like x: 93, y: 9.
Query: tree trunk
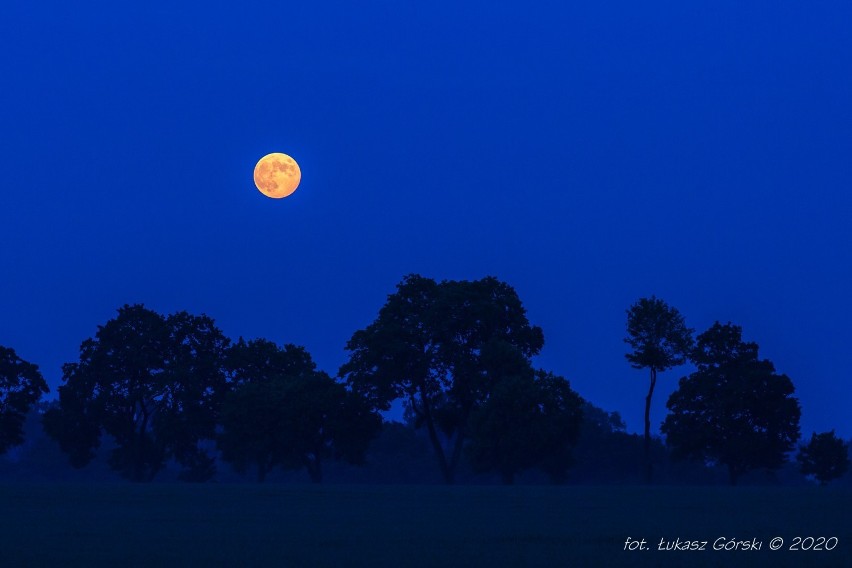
x: 139, y: 457
x: 446, y: 470
x: 459, y: 443
x: 649, y: 471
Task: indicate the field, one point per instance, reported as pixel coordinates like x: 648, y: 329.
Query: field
x: 401, y: 526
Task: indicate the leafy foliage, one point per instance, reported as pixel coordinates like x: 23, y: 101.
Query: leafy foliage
x: 438, y: 346
x: 21, y: 386
x: 658, y: 335
x: 150, y: 382
x: 528, y: 421
x: 282, y: 412
x: 735, y: 410
x: 826, y: 457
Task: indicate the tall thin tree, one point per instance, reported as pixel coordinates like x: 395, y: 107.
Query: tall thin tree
x: 660, y: 340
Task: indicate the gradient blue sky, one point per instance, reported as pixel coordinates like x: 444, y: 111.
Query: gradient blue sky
x: 588, y: 153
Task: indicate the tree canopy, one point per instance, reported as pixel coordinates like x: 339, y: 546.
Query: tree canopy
x: 21, y: 386
x: 735, y: 410
x: 529, y: 420
x: 282, y: 412
x: 150, y: 382
x: 435, y: 345
x: 826, y: 457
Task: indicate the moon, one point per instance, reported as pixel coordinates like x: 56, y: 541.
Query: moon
x: 277, y: 175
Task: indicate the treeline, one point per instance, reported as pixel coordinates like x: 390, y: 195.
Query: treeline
x: 155, y: 394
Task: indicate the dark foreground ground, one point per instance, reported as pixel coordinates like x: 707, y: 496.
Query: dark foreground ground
x: 401, y: 526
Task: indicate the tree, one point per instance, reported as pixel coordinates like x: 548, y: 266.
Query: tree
x: 282, y: 412
x: 430, y: 346
x: 561, y: 417
x: 252, y: 431
x: 529, y: 420
x: 21, y: 386
x: 190, y: 408
x: 150, y: 382
x: 660, y: 340
x: 605, y: 452
x: 826, y: 457
x: 735, y: 410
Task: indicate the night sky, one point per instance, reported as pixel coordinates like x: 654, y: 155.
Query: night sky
x: 588, y: 155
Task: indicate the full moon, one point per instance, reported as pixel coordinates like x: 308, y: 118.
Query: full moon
x: 277, y: 175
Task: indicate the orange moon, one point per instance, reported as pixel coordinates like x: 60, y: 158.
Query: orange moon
x: 277, y: 175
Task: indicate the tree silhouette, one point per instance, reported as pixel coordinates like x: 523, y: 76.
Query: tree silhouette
x: 735, y: 410
x: 660, y: 340
x: 190, y: 411
x: 282, y: 412
x: 826, y: 457
x: 151, y: 383
x: 254, y: 432
x: 605, y: 452
x: 529, y: 420
x: 430, y: 345
x: 21, y: 386
x: 562, y: 415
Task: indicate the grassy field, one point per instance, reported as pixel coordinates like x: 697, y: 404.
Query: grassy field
x: 297, y: 525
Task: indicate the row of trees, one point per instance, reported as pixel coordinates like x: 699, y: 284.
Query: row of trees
x: 456, y: 354
x: 175, y: 388
x: 735, y: 410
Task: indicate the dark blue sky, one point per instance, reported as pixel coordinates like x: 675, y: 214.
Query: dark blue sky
x: 588, y: 154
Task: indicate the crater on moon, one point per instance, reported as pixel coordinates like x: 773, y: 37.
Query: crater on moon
x: 277, y: 175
